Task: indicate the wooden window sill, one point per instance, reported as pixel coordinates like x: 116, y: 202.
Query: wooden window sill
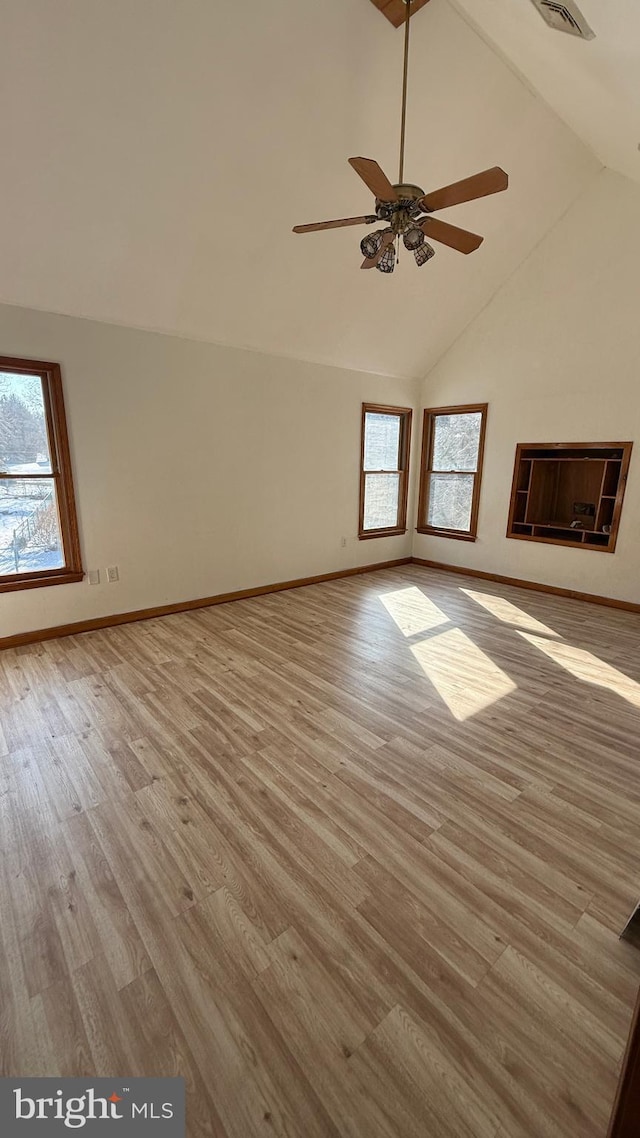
x: 41, y: 580
x: 455, y: 534
x: 381, y: 533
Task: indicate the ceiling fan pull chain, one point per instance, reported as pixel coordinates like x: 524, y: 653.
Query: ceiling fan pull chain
x: 405, y: 76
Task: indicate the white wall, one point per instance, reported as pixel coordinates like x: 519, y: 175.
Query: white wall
x: 198, y: 469
x: 556, y: 353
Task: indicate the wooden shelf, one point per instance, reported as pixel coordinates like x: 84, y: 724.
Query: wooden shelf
x: 555, y: 484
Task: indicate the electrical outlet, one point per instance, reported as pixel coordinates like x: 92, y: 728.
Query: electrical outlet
x: 94, y: 576
x: 343, y: 542
x: 113, y: 574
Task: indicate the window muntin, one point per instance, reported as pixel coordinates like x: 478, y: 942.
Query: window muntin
x: 452, y: 449
x: 38, y: 530
x: 386, y: 436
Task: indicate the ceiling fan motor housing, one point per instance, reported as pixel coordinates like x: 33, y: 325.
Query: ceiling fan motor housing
x: 401, y: 213
x: 407, y: 193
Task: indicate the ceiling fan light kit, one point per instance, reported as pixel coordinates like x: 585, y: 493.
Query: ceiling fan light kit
x: 413, y: 237
x: 405, y: 208
x: 370, y: 245
x: 424, y: 253
x: 387, y: 262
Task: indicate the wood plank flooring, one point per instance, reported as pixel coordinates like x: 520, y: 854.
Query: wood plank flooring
x: 352, y: 859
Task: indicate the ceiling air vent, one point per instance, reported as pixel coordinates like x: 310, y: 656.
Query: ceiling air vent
x: 564, y: 16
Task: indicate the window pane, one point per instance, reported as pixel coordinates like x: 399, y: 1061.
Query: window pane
x: 450, y: 497
x: 381, y: 497
x: 24, y: 447
x: 456, y: 441
x: 29, y: 528
x: 381, y: 441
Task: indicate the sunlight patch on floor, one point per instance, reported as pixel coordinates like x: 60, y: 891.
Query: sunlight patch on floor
x: 509, y: 613
x: 463, y: 675
x: 587, y: 667
x: 412, y: 611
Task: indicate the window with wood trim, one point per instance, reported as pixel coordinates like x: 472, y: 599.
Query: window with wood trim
x: 39, y: 542
x: 384, y: 470
x: 452, y: 450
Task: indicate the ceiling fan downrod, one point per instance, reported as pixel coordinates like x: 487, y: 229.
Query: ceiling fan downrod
x: 405, y: 77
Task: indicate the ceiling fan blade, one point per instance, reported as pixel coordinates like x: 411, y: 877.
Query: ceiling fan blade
x: 370, y: 262
x: 460, y: 239
x: 374, y: 178
x: 338, y: 224
x: 477, y: 186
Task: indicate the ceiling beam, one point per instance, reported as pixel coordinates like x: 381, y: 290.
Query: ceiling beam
x: 395, y: 10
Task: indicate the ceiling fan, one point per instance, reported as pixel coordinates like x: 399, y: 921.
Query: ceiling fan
x: 405, y: 209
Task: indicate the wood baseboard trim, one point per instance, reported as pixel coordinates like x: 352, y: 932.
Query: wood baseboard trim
x: 23, y: 638
x: 535, y: 586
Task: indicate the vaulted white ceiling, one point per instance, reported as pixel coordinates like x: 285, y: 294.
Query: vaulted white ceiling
x: 594, y: 85
x: 156, y: 155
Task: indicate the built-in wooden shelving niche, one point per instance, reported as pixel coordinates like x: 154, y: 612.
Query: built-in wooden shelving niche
x: 569, y: 493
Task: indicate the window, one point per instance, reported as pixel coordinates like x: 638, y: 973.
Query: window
x: 452, y: 447
x: 384, y: 470
x: 38, y: 530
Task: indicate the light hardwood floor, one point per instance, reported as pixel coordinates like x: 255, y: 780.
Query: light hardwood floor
x: 351, y: 858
